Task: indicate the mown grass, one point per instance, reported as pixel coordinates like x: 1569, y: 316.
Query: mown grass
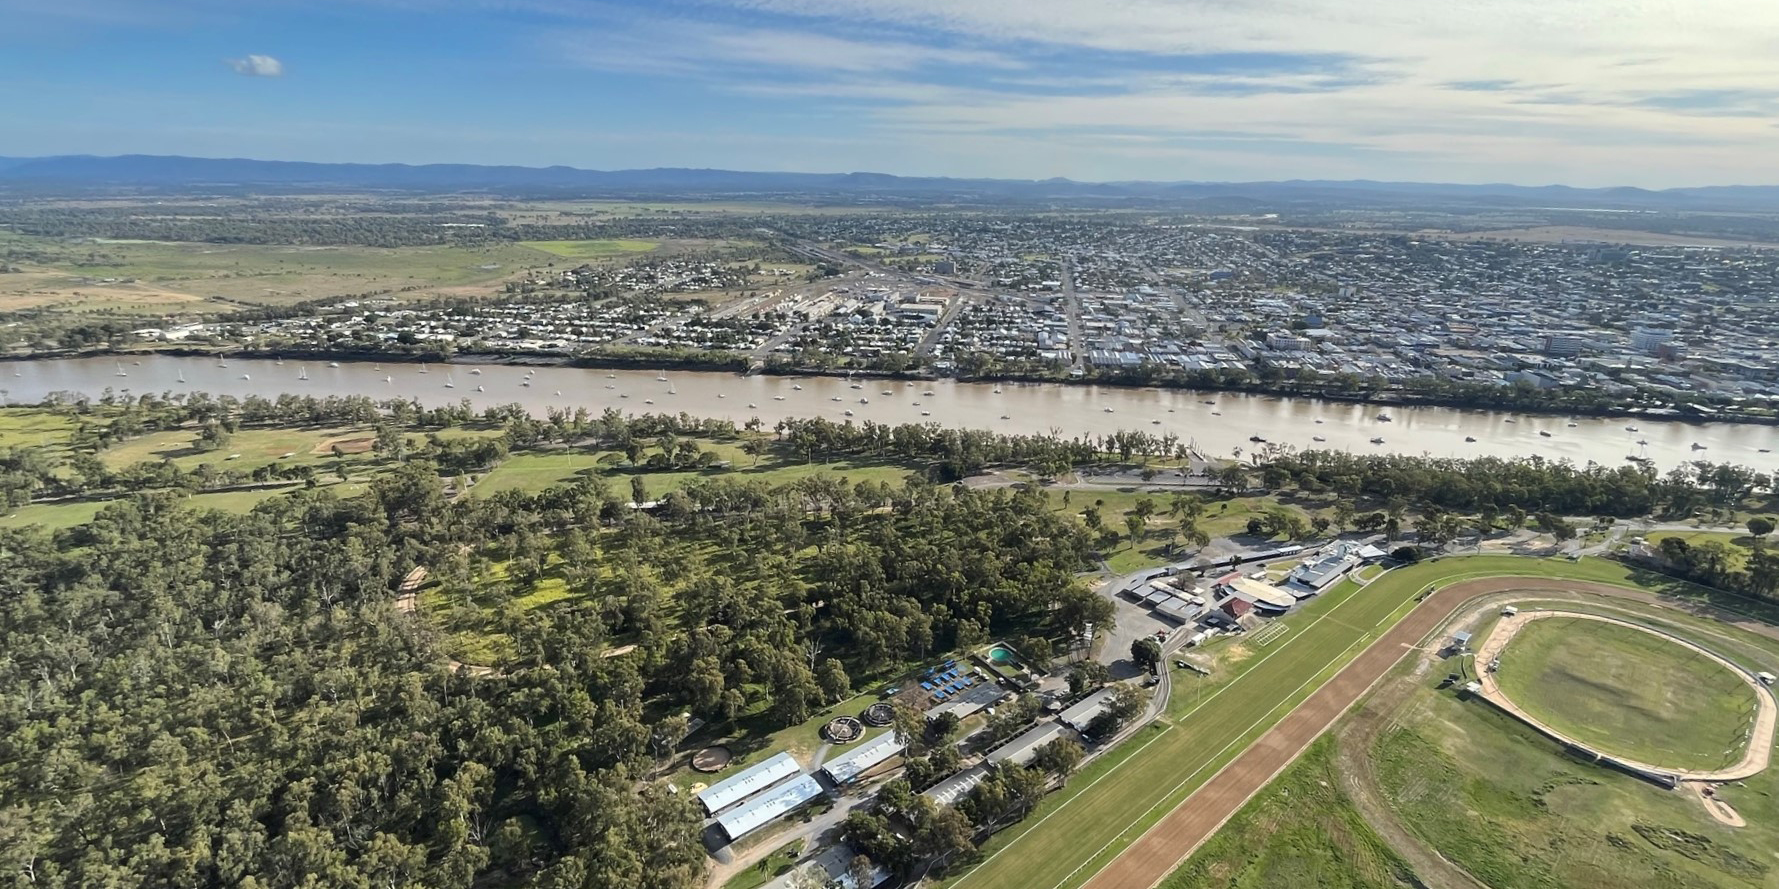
x: 1515, y: 810
x: 1628, y: 692
x: 1301, y: 831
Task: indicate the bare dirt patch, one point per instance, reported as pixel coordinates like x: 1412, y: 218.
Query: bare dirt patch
x: 353, y: 445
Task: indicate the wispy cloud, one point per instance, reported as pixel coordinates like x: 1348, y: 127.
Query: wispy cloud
x: 257, y: 66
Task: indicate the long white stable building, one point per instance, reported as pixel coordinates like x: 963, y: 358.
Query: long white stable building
x: 845, y: 769
x: 767, y: 807
x: 747, y: 782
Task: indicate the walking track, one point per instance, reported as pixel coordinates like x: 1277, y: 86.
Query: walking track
x: 1154, y: 855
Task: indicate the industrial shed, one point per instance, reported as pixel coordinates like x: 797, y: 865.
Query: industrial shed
x: 767, y: 807
x: 1020, y: 750
x: 1078, y: 716
x: 747, y: 782
x: 844, y: 769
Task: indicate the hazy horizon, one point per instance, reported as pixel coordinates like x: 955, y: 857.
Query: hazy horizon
x: 1589, y: 93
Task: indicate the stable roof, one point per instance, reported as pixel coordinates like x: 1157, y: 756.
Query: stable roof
x: 856, y: 763
x: 1078, y: 716
x: 764, y: 808
x: 1020, y: 750
x: 747, y: 782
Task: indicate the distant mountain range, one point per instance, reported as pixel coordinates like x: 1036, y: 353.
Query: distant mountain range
x: 173, y: 173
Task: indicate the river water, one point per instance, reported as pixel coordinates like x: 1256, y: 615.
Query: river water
x: 1217, y: 422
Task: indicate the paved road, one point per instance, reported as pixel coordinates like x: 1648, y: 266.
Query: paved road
x: 1153, y: 856
x: 1072, y: 303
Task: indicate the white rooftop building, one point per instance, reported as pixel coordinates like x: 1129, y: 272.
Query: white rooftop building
x: 747, y: 782
x: 767, y: 807
x: 872, y: 754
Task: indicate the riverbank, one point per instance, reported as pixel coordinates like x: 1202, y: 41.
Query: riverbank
x: 737, y: 363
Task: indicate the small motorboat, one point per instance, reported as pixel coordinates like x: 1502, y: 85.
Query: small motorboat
x: 778, y: 398
x: 1698, y: 447
x: 836, y: 398
x: 928, y: 393
x: 751, y: 405
x: 246, y: 377
x: 1573, y: 424
x: 849, y: 412
x: 611, y: 376
x: 1256, y: 439
x: 1630, y: 429
x: 797, y: 386
x: 1151, y: 422
x: 475, y: 371
x: 1005, y: 417
x: 333, y: 364
x: 1108, y: 410
x: 926, y: 413
x: 1470, y: 438
x: 864, y: 401
x: 480, y: 389
x: 1544, y: 433
x: 1317, y: 438
x: 648, y: 401
x: 1384, y: 418
x: 662, y: 378
x: 1378, y: 440
x: 886, y: 392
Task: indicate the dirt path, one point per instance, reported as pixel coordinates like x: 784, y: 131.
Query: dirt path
x: 1163, y: 847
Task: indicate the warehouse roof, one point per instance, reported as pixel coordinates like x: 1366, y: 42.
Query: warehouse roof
x: 764, y: 808
x: 856, y: 763
x: 747, y: 782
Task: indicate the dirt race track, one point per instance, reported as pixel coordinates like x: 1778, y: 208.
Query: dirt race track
x: 1159, y: 851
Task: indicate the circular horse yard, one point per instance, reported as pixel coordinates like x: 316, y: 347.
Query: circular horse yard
x: 1628, y: 692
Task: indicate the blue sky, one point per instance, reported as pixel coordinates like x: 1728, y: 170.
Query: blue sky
x: 1586, y: 92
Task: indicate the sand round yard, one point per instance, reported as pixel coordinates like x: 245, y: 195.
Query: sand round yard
x: 1629, y: 693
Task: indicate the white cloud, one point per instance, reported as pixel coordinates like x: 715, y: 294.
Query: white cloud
x: 257, y: 66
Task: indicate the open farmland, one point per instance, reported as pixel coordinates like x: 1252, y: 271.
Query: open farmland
x: 152, y: 276
x: 592, y: 250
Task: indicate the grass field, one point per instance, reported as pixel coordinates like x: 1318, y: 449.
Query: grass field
x: 255, y: 447
x: 150, y: 276
x: 1510, y: 807
x: 591, y: 250
x: 1077, y: 830
x: 1628, y: 692
x: 1300, y: 831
